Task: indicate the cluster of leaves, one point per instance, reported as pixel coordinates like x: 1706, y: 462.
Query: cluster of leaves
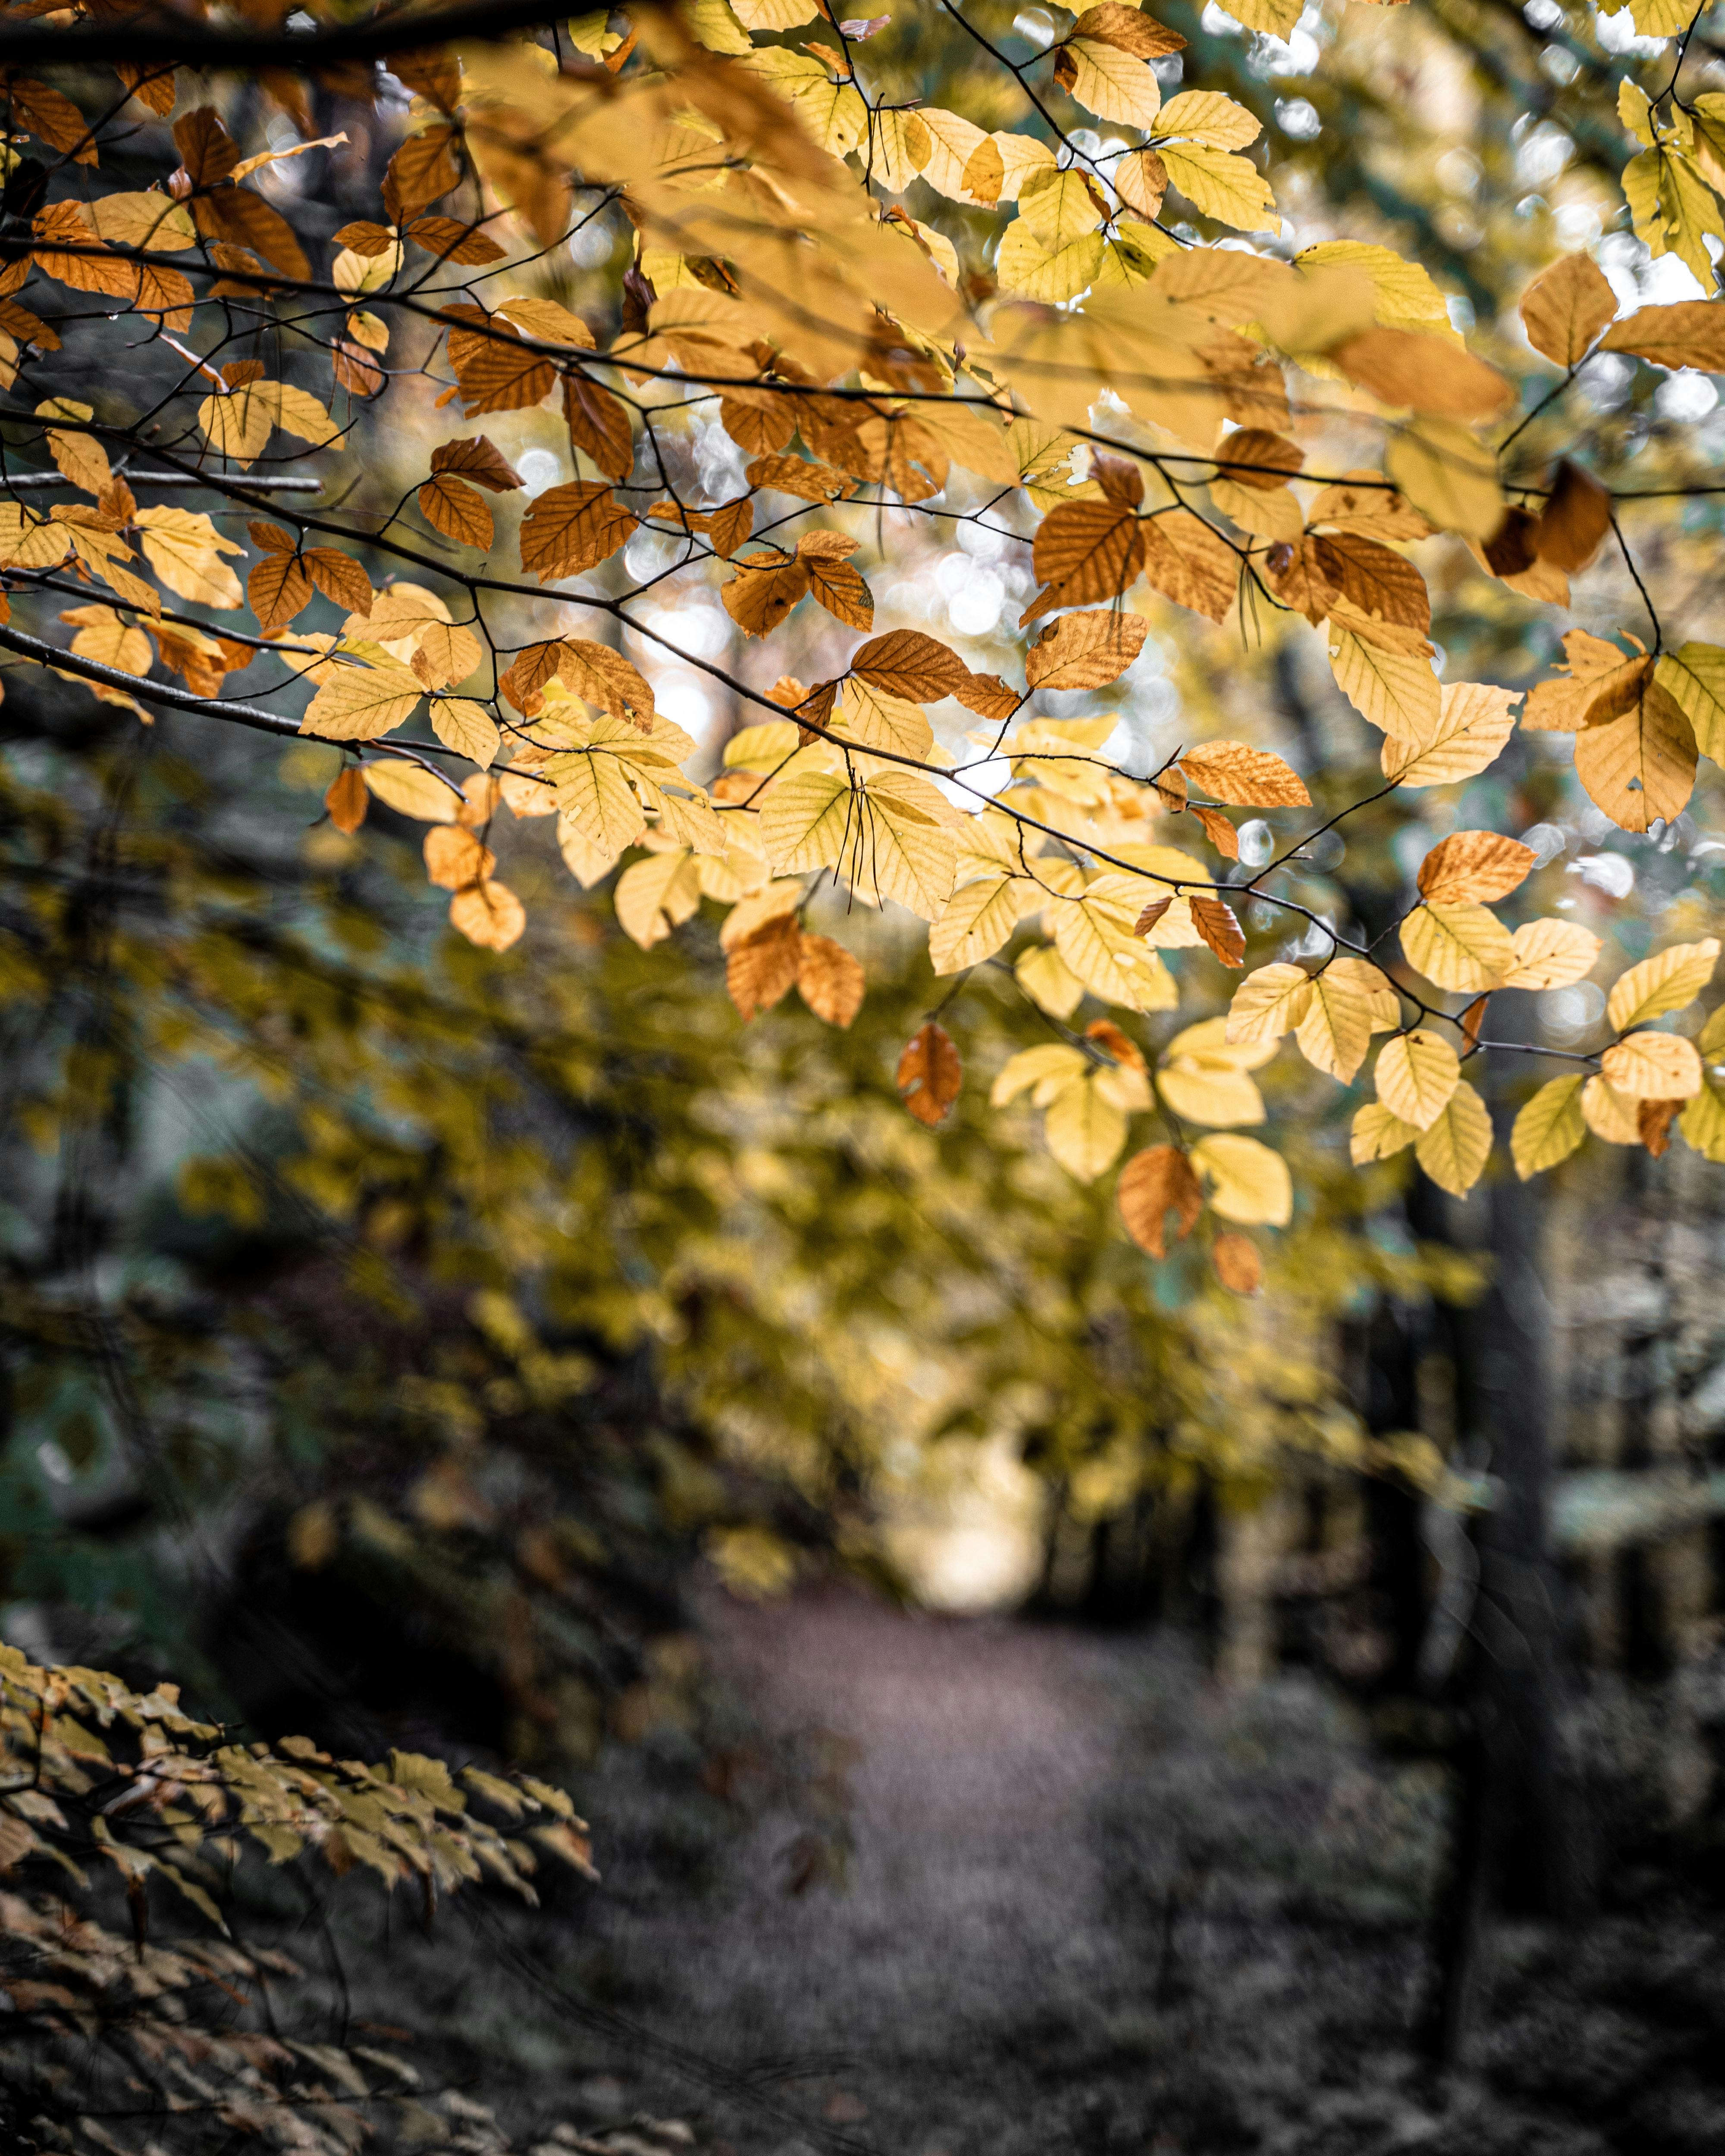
x: 167, y: 2036
x: 1043, y: 340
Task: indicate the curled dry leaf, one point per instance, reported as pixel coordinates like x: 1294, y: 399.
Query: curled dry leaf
x: 930, y: 1075
x: 1152, y: 1183
x: 1214, y: 921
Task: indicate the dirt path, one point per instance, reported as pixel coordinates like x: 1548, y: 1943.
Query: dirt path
x: 1063, y: 1848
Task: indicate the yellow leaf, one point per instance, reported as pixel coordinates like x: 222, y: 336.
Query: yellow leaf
x: 978, y: 919
x: 1665, y: 982
x: 1549, y: 1128
x: 1453, y: 1148
x: 1042, y: 1071
x: 185, y: 550
x: 1474, y: 722
x: 358, y: 703
x: 593, y: 793
x: 1378, y: 1135
x: 1449, y: 475
x: 1641, y: 766
x: 1049, y: 981
x: 1208, y: 1091
x: 411, y: 790
x: 1249, y: 1182
x: 1609, y: 1114
x: 653, y: 895
x: 806, y: 821
x: 1269, y: 1002
x: 1208, y: 116
x: 1085, y: 1132
x: 1396, y: 690
x: 1112, y: 84
x: 1551, y: 954
x: 1703, y: 1123
x: 895, y: 853
x: 1382, y: 1005
x: 466, y: 728
x: 1336, y: 1030
x: 1694, y: 677
x: 1417, y: 1072
x: 1229, y: 189
x: 1458, y: 946
x: 1653, y: 1066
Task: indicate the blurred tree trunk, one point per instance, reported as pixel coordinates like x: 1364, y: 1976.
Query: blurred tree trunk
x: 1521, y: 1836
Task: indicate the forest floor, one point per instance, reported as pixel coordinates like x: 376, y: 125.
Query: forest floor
x: 1090, y: 1905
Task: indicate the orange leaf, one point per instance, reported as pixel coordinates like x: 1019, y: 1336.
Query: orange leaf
x: 1152, y: 1182
x: 1215, y: 922
x: 1237, y: 1262
x: 348, y: 800
x: 453, y: 507
x: 829, y: 980
x: 930, y: 1075
x: 1249, y: 778
x: 761, y: 966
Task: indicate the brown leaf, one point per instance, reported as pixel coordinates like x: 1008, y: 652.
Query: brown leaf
x: 1252, y: 456
x: 1474, y: 867
x: 421, y: 170
x: 37, y: 110
x: 1597, y: 682
x: 1170, y: 785
x: 1113, y: 1043
x: 1473, y: 1017
x: 759, y: 421
x: 92, y: 268
x: 278, y: 588
x: 1120, y: 479
x: 1654, y: 1120
x: 766, y: 588
x: 1513, y: 548
x: 1129, y: 29
x: 532, y: 668
x: 763, y: 965
x: 730, y: 524
x: 355, y: 369
x: 841, y: 589
x: 1248, y: 777
x: 1084, y: 650
x: 1298, y: 577
x: 988, y: 696
x: 1189, y: 563
x: 497, y: 369
x: 1375, y: 579
x: 365, y: 237
x: 1575, y: 520
x: 1152, y: 1182
x: 930, y: 1075
x: 599, y: 424
x: 479, y: 461
x: 1564, y: 310
x: 606, y: 678
x: 1220, y: 832
x: 1238, y: 1265
x: 1424, y: 372
x: 907, y: 664
x: 153, y: 87
x: 207, y: 150
x: 807, y: 481
x: 1152, y: 914
x: 241, y: 217
x: 1215, y: 922
x: 453, y: 507
x: 348, y: 800
x: 1085, y: 550
x: 1686, y: 333
x: 450, y: 240
x: 568, y: 529
x: 829, y: 980
x: 339, y: 577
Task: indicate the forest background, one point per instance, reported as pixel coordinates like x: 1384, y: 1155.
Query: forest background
x: 405, y: 1323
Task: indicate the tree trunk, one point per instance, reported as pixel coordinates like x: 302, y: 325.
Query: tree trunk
x: 1520, y: 1839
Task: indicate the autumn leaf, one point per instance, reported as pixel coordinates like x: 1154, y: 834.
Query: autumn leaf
x: 1248, y: 777
x: 829, y: 980
x: 1084, y: 650
x: 930, y: 1075
x: 1154, y: 1183
x: 1473, y: 867
x: 1417, y: 1072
